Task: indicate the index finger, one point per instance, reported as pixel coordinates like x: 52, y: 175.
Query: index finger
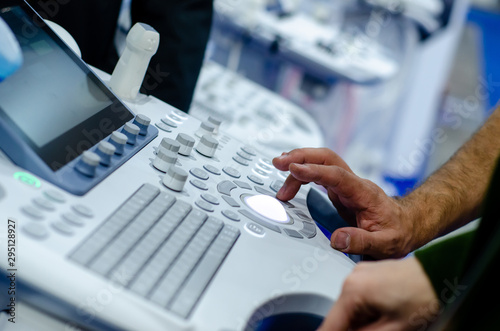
x: 322, y: 156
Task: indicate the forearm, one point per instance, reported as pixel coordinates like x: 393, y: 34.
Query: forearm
x: 452, y: 196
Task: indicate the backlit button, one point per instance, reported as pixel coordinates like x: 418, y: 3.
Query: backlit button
x: 212, y: 169
x: 179, y: 114
x: 231, y: 172
x: 231, y: 215
x: 256, y: 179
x: 266, y: 162
x: 255, y: 229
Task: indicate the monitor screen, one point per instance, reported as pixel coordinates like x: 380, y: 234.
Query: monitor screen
x: 55, y: 103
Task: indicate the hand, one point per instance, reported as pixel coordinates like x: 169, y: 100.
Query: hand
x: 387, y: 295
x: 383, y: 226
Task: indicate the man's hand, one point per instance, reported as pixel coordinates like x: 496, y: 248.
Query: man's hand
x: 387, y: 295
x: 381, y: 226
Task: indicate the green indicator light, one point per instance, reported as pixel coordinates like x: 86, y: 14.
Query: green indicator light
x: 28, y: 179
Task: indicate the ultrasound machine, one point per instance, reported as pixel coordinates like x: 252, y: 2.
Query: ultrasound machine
x: 132, y: 215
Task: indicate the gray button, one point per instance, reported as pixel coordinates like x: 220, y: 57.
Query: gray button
x: 263, y: 191
x: 36, y: 230
x: 244, y: 155
x: 225, y: 187
x: 199, y: 184
x: 231, y: 172
x: 255, y: 228
x: 83, y: 210
x: 170, y: 145
x: 293, y: 233
x: 204, y: 205
x: 249, y: 150
x: 44, y: 204
x: 230, y: 201
x: 231, y: 215
x: 63, y: 228
x: 260, y: 221
x: 256, y: 180
x: 276, y: 185
x: 33, y: 212
x: 162, y: 126
x: 243, y: 185
x: 199, y: 173
x: 55, y: 196
x: 212, y: 169
x: 210, y: 198
x: 302, y: 215
x: 309, y: 230
x: 73, y: 219
x: 169, y: 122
x: 240, y: 160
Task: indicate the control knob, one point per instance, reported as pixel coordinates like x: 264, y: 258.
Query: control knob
x: 131, y: 131
x: 105, y: 150
x: 143, y: 122
x: 186, y: 142
x: 164, y: 159
x: 88, y: 163
x: 207, y: 145
x: 118, y: 140
x: 169, y: 145
x: 205, y: 128
x: 175, y: 178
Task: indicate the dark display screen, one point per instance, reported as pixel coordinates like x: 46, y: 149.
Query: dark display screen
x: 55, y: 103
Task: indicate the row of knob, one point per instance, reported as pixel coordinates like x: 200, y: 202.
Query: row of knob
x: 166, y: 156
x: 88, y: 162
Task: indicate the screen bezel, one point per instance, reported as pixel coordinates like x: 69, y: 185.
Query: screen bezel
x: 69, y: 145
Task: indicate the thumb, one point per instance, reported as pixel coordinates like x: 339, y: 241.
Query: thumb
x: 353, y: 240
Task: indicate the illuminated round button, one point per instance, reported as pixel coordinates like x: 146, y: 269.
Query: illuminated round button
x: 268, y: 207
x: 27, y: 179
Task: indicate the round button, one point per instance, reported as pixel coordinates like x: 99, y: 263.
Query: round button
x: 199, y: 184
x: 204, y: 205
x: 179, y: 114
x: 175, y: 178
x: 206, y: 128
x: 105, y: 150
x: 216, y: 123
x: 186, y: 143
x: 249, y: 150
x: 170, y: 145
x: 199, y: 173
x: 244, y: 155
x: 240, y: 160
x: 212, y: 169
x: 44, y: 204
x: 73, y: 219
x: 33, y: 212
x: 131, y: 131
x: 231, y: 172
x: 83, y: 211
x: 164, y: 160
x: 55, y: 196
x: 63, y: 228
x: 143, y: 122
x: 162, y: 126
x: 36, y: 230
x: 118, y: 140
x: 207, y: 145
x: 210, y: 198
x: 87, y: 163
x: 256, y: 179
x: 231, y: 215
x: 169, y: 122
